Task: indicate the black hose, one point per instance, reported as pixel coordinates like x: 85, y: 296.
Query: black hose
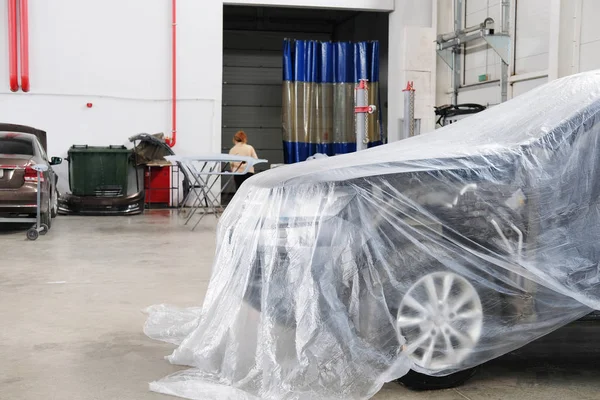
x: 449, y: 110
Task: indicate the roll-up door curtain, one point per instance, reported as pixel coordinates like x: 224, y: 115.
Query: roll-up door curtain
x: 318, y: 96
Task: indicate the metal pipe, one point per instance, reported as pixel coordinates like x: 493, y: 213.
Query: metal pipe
x: 464, y: 36
x: 487, y: 24
x: 171, y: 141
x: 504, y: 66
x: 24, y: 41
x: 409, y: 110
x: 513, y: 35
x: 502, y: 236
x: 12, y: 46
x: 456, y: 52
x: 38, y: 223
x: 460, y: 40
x: 478, y: 85
x: 361, y: 109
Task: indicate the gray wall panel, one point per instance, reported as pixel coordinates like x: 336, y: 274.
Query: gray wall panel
x: 253, y: 75
x: 257, y: 95
x: 252, y: 58
x: 251, y: 117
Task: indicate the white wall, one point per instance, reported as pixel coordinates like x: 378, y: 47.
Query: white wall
x: 116, y: 55
x: 366, y: 5
x: 589, y: 36
x: 533, y: 34
x: 531, y: 59
x: 412, y: 57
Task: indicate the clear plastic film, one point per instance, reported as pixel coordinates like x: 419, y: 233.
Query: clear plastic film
x: 436, y: 254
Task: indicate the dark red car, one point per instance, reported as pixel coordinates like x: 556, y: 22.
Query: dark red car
x: 22, y: 147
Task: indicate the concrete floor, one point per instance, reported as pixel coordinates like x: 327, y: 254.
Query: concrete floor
x: 71, y: 321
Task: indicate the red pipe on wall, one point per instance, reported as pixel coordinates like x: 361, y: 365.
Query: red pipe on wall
x: 24, y: 41
x: 173, y: 139
x: 12, y: 45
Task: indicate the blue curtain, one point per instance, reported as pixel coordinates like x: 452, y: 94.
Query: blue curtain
x: 318, y: 96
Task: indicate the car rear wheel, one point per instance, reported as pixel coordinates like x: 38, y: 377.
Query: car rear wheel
x: 441, y: 317
x: 47, y: 216
x: 416, y: 381
x: 54, y: 211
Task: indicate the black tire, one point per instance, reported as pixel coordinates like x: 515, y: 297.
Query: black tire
x: 32, y: 234
x: 54, y: 211
x: 417, y: 381
x: 44, y: 230
x: 46, y: 217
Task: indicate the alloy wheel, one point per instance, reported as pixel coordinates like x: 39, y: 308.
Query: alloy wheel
x: 441, y: 318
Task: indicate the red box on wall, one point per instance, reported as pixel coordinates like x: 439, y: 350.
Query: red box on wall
x: 157, y: 181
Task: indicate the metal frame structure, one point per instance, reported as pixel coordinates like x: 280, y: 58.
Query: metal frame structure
x: 205, y: 172
x: 450, y: 45
x: 39, y: 228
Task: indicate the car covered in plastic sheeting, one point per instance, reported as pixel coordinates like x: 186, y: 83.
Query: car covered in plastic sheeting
x: 433, y: 254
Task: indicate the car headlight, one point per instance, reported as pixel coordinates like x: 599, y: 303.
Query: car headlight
x: 309, y: 207
x: 298, y: 218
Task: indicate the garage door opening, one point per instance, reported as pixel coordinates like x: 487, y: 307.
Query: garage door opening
x: 253, y: 67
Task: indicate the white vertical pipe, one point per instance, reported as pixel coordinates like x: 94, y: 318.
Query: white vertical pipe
x: 513, y: 46
x: 361, y: 126
x: 457, y: 53
x: 433, y: 82
x: 505, y: 16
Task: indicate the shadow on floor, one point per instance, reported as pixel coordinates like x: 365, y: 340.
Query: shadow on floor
x: 10, y: 229
x: 568, y: 354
